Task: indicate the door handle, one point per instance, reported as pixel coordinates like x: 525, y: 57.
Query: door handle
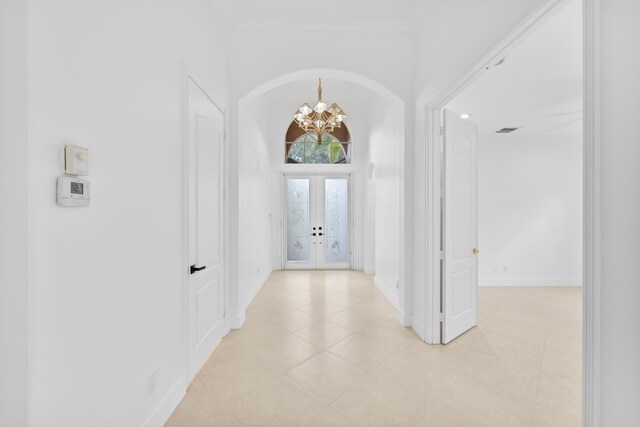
x: 313, y: 234
x: 319, y: 234
x: 475, y: 251
x: 194, y: 269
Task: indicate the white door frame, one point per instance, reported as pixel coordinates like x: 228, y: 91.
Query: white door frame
x: 282, y: 201
x: 188, y: 76
x: 591, y: 188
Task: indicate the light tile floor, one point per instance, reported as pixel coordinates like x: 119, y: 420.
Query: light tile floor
x: 325, y: 349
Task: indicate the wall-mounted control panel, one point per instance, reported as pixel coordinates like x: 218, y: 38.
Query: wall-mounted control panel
x: 72, y: 191
x: 76, y: 160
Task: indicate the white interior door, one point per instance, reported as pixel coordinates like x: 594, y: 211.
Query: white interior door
x: 460, y: 225
x: 206, y: 159
x: 317, y: 222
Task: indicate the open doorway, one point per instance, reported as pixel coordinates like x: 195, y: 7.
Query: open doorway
x: 512, y: 210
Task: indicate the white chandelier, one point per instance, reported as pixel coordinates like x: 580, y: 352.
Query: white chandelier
x: 319, y: 120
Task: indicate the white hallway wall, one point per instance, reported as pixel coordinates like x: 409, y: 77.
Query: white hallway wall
x: 530, y: 210
x: 108, y: 304
x: 255, y: 201
x: 15, y: 329
x: 620, y: 328
x: 385, y: 154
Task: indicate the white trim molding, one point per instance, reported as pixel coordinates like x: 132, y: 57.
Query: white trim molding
x: 592, y: 219
x: 393, y: 299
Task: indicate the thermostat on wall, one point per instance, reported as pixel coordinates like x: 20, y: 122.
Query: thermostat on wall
x: 72, y: 191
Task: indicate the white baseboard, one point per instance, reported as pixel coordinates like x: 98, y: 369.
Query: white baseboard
x: 404, y: 319
x: 418, y: 327
x: 369, y: 269
x: 237, y: 321
x: 530, y: 281
x: 386, y: 292
x: 255, y: 289
x: 169, y: 403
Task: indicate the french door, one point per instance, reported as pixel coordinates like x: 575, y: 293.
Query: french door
x: 317, y: 231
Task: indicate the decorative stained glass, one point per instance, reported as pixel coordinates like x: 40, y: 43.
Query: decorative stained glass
x: 336, y: 219
x: 298, y: 219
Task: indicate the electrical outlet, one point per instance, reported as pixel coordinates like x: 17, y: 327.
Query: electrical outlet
x: 152, y: 382
x: 505, y: 268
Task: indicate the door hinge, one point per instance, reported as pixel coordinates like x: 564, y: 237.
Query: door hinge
x: 441, y: 130
x: 441, y: 254
x: 224, y: 251
x: 442, y: 192
x: 441, y: 317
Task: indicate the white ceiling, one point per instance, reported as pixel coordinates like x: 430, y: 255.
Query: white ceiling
x: 538, y: 87
x: 329, y: 11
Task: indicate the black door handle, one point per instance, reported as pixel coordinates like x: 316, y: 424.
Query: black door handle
x: 319, y: 234
x: 313, y: 234
x: 193, y: 268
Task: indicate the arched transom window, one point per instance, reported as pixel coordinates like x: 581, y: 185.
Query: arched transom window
x: 303, y: 148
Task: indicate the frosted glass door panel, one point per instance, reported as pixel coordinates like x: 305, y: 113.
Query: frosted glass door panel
x: 298, y: 236
x: 336, y: 219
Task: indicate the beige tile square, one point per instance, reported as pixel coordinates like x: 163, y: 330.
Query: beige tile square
x: 351, y: 298
x: 564, y: 342
x: 361, y: 351
x: 325, y: 375
x: 293, y: 320
x: 561, y: 393
x: 421, y: 378
x: 501, y: 373
x: 549, y: 416
x: 353, y: 320
x: 558, y: 364
x: 391, y: 333
x: 502, y: 408
x: 503, y: 346
x: 441, y: 414
x: 321, y: 309
x: 235, y: 377
x: 285, y: 353
x: 323, y: 334
x: 200, y: 409
x: 521, y: 331
x: 280, y: 402
x: 377, y: 307
x: 255, y: 333
x: 330, y: 417
x: 373, y: 402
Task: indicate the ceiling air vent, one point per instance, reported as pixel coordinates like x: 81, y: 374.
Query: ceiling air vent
x: 507, y: 130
